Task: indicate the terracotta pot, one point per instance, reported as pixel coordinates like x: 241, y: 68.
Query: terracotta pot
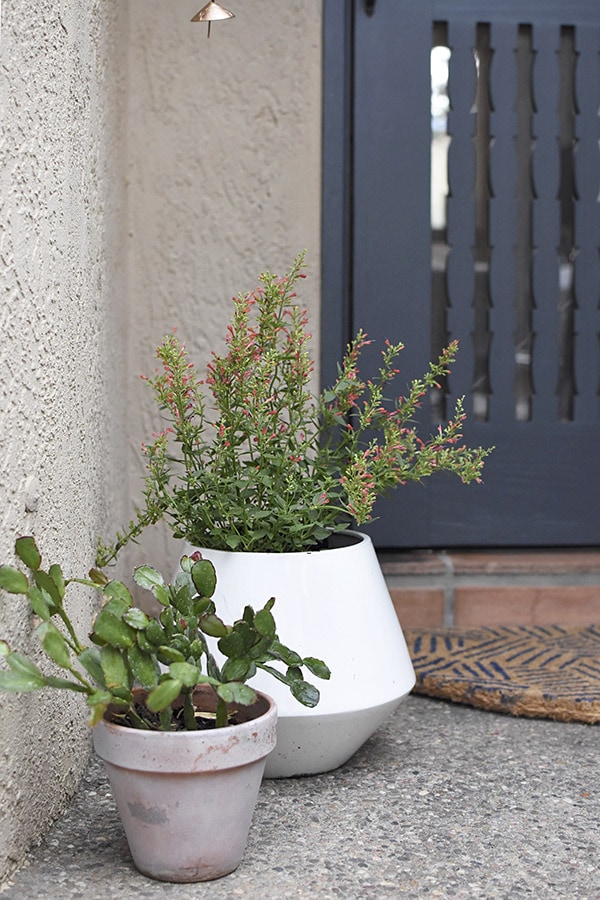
x: 186, y: 799
x: 333, y: 604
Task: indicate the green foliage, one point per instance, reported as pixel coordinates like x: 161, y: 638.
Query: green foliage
x: 128, y: 647
x: 250, y: 460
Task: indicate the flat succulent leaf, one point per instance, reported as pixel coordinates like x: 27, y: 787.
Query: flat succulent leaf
x: 143, y: 642
x: 232, y: 645
x: 27, y: 551
x: 185, y: 672
x: 185, y: 563
x: 261, y: 650
x: 55, y: 573
x: 203, y: 605
x: 98, y: 703
x: 143, y: 667
x: 123, y: 694
x: 289, y: 657
x: 118, y: 591
x: 164, y: 694
x: 294, y: 673
x: 54, y: 644
x: 197, y: 648
x: 162, y: 594
x: 148, y: 577
x: 13, y: 580
x: 235, y: 670
x: 116, y: 606
x: 98, y: 577
x: 136, y: 618
x: 264, y: 622
x: 317, y: 667
x: 90, y: 659
x: 180, y: 642
x: 4, y: 648
x: 184, y: 579
x: 155, y: 633
x: 204, y: 577
x: 212, y: 625
x: 211, y: 666
x: 39, y: 604
x: 18, y: 682
x: 114, y: 667
x: 112, y: 630
x: 234, y: 692
x: 167, y: 620
x: 46, y: 583
x: 247, y: 633
x: 168, y: 655
x: 182, y: 601
x: 20, y: 663
x: 274, y: 672
x: 307, y: 694
x: 64, y: 683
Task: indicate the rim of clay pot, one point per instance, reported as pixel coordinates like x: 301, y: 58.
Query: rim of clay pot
x: 205, y: 701
x: 189, y: 751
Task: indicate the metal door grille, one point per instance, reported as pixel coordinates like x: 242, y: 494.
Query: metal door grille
x: 520, y: 142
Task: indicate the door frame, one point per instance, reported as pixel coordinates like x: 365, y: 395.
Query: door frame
x: 337, y: 185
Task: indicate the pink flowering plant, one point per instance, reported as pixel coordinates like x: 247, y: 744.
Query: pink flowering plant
x: 249, y: 459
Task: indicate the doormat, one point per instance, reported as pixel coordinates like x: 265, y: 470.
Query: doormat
x: 540, y: 671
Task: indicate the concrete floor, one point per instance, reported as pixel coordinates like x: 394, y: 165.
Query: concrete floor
x: 444, y: 801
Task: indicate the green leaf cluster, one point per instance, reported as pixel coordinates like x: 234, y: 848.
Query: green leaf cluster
x: 168, y: 656
x: 251, y: 460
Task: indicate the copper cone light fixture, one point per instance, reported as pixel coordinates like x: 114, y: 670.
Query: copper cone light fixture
x: 212, y: 12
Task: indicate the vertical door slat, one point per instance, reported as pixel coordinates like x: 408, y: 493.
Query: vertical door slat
x: 503, y: 220
x: 587, y: 226
x: 461, y: 220
x: 546, y: 224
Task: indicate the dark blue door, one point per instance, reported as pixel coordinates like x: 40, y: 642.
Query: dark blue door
x: 461, y: 182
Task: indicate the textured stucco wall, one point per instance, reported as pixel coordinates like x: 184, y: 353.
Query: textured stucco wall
x: 221, y: 142
x: 62, y: 327
x: 224, y: 176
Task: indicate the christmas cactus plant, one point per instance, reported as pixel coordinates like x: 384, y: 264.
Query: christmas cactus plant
x: 168, y: 656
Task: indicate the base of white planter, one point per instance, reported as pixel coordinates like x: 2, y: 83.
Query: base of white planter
x: 309, y: 745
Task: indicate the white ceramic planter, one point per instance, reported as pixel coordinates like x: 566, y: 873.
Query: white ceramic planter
x: 186, y: 798
x: 332, y: 604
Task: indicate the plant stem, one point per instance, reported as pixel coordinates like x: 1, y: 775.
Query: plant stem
x: 188, y: 712
x: 222, y: 718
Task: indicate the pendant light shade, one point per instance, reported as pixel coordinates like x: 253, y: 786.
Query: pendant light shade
x: 212, y: 12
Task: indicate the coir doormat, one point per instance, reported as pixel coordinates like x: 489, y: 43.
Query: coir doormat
x: 540, y: 671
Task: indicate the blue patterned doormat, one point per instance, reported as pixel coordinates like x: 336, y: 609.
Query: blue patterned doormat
x: 540, y: 671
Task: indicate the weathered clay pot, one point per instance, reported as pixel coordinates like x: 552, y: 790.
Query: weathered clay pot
x: 186, y: 799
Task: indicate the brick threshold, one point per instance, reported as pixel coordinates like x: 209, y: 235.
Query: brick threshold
x: 494, y: 587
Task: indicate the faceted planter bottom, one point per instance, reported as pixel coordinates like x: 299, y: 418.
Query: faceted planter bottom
x: 186, y: 799
x: 333, y: 604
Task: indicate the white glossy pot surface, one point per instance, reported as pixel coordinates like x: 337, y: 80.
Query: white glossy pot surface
x: 332, y: 604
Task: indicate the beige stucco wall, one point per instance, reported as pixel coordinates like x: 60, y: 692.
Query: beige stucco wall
x: 224, y: 177
x: 146, y: 175
x: 62, y: 328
